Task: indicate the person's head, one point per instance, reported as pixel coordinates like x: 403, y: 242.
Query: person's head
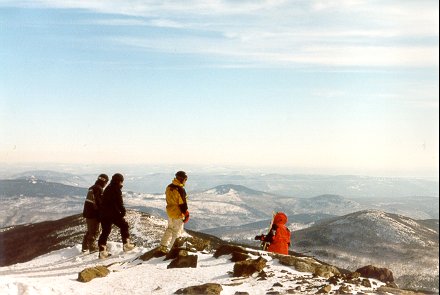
x: 280, y: 218
x: 181, y: 176
x: 102, y: 179
x: 118, y: 178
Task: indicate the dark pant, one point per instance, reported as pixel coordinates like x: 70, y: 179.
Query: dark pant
x: 91, y: 234
x: 107, y: 227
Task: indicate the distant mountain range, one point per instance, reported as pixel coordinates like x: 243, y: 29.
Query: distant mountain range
x: 30, y: 200
x: 57, y: 177
x: 26, y: 200
x: 290, y: 185
x: 34, y: 187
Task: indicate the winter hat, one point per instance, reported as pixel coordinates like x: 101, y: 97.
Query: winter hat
x: 181, y: 175
x: 103, y: 177
x: 117, y: 178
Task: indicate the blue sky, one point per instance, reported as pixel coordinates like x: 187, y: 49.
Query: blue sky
x: 316, y: 86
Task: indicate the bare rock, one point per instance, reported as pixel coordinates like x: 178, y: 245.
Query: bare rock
x: 183, y: 260
x: 382, y: 274
x: 300, y: 264
x: 229, y: 249
x: 208, y: 289
x: 326, y: 271
x: 309, y: 265
x: 189, y: 244
x: 325, y: 289
x: 248, y: 267
x: 344, y: 289
x: 395, y: 291
x: 239, y: 256
x: 91, y: 273
x: 148, y: 255
x: 366, y: 283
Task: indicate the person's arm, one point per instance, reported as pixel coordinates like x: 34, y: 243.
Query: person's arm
x: 120, y: 204
x: 91, y: 198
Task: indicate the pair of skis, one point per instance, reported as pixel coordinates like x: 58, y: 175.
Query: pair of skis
x: 265, y: 244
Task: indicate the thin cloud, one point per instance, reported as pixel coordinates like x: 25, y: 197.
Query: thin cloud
x: 329, y: 33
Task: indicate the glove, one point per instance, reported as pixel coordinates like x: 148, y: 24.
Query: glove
x: 259, y: 238
x: 186, y: 218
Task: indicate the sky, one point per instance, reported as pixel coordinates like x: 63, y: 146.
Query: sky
x: 316, y: 86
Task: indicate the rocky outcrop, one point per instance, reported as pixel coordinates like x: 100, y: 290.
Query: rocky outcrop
x: 395, y: 291
x: 304, y: 264
x: 247, y: 268
x: 91, y: 273
x: 208, y: 289
x: 233, y: 250
x: 183, y: 260
x: 382, y: 274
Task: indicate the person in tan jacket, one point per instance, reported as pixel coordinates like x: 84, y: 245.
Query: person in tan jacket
x: 177, y: 211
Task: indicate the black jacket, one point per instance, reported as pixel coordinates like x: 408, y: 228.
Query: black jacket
x: 112, y: 206
x: 93, y: 201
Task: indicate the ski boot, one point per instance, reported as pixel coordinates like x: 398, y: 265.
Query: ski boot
x: 128, y: 246
x: 103, y: 253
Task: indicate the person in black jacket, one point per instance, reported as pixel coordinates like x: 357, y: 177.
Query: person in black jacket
x: 112, y: 211
x: 91, y: 213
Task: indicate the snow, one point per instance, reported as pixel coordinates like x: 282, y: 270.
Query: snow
x: 57, y: 273
x: 231, y: 196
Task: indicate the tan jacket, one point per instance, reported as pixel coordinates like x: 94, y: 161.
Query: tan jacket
x: 174, y: 199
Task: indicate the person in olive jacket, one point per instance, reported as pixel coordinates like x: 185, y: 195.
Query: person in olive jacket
x: 177, y: 211
x: 91, y: 213
x: 112, y: 211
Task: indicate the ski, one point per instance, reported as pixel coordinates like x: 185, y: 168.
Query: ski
x: 265, y: 244
x: 80, y: 256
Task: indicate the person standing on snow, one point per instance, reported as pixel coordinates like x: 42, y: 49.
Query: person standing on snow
x: 279, y: 235
x: 91, y: 213
x: 112, y: 211
x: 177, y: 211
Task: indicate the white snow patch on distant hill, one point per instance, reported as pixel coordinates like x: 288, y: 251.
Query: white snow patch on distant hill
x: 231, y: 196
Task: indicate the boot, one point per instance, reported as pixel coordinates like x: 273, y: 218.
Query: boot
x: 103, y: 254
x: 128, y: 246
x: 161, y: 251
x: 93, y: 248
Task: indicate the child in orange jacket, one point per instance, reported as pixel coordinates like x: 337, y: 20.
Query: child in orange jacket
x: 279, y: 235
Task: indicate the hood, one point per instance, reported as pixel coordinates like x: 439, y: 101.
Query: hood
x: 280, y: 218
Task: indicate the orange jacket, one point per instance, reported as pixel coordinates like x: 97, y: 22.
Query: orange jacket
x: 281, y: 240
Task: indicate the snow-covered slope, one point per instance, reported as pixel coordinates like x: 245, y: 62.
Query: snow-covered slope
x: 408, y: 246
x: 55, y: 271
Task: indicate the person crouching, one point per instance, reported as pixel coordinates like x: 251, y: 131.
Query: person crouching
x: 279, y: 235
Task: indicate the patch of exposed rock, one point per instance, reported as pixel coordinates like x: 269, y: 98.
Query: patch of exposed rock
x: 304, y: 264
x: 91, y: 273
x: 208, y: 289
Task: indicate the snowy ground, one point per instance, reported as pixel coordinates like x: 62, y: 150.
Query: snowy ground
x: 57, y: 273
